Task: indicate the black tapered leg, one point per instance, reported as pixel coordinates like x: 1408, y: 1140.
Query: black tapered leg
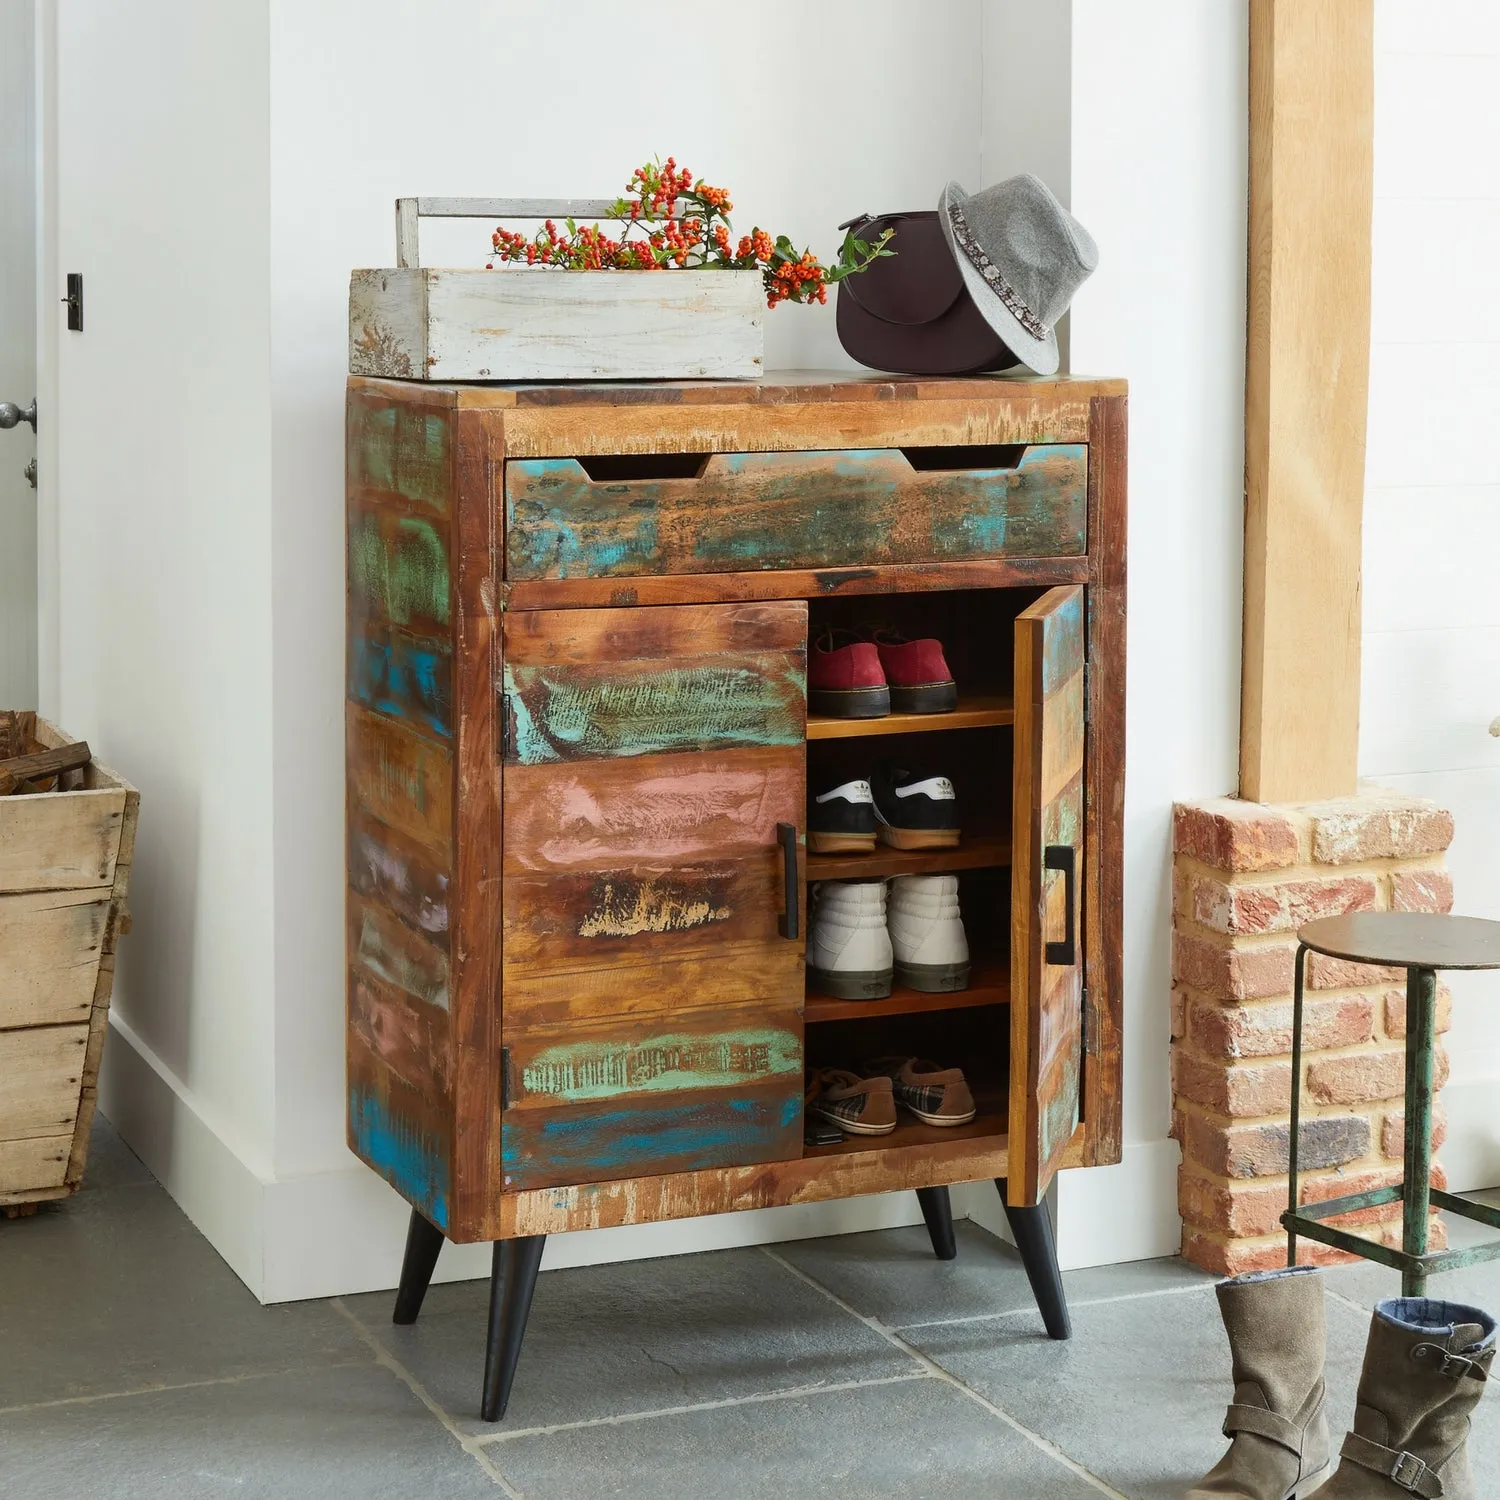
x: 423, y: 1241
x: 512, y: 1281
x: 1032, y: 1228
x: 937, y: 1209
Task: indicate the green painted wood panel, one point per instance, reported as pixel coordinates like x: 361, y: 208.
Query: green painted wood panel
x: 589, y: 712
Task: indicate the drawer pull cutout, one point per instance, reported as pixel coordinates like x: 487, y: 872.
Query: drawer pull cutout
x: 953, y: 457
x: 625, y: 468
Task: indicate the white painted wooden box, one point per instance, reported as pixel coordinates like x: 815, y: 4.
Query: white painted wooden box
x: 527, y: 323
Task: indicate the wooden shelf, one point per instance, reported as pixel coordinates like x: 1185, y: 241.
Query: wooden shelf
x: 974, y: 711
x: 992, y: 1121
x: 989, y: 984
x: 972, y: 854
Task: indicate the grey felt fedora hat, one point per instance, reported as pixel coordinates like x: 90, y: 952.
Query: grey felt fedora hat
x: 1022, y: 255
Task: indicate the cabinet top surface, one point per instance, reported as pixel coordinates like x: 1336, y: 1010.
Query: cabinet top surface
x: 785, y: 387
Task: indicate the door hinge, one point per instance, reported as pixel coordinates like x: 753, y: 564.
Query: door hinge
x: 1090, y: 1027
x: 502, y: 711
x: 504, y: 1079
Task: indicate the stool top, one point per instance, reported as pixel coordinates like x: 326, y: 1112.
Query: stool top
x: 1407, y: 939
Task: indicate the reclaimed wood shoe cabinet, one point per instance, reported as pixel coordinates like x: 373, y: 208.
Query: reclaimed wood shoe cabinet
x: 579, y: 757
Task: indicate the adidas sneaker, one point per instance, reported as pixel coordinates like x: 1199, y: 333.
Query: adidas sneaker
x: 915, y: 814
x: 842, y: 820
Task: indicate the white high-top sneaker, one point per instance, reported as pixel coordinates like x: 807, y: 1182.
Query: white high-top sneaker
x: 930, y: 950
x: 848, y: 946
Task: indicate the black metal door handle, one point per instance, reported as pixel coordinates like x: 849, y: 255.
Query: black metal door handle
x: 1064, y: 857
x: 788, y: 923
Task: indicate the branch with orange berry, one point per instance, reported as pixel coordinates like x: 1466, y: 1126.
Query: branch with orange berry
x: 669, y: 220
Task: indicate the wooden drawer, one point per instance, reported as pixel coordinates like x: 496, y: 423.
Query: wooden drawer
x: 737, y: 512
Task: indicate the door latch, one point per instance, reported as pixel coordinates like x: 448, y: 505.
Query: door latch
x: 74, y: 299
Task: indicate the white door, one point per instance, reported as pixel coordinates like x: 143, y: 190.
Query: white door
x: 18, y: 159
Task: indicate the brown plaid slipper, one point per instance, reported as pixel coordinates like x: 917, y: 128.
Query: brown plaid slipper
x: 858, y: 1106
x: 936, y: 1096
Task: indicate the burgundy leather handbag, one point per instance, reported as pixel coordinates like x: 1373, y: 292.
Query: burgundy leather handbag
x: 910, y: 312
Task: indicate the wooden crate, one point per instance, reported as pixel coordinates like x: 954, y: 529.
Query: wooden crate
x: 413, y: 322
x: 65, y: 861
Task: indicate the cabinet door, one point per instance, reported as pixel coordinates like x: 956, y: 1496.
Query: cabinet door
x: 655, y: 761
x: 1046, y: 964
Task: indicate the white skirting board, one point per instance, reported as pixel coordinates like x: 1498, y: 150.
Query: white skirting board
x: 1471, y: 1154
x: 343, y: 1232
x: 1104, y: 1214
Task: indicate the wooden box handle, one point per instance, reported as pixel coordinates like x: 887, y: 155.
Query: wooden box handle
x: 409, y: 210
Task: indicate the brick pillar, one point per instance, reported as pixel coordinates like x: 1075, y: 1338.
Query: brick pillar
x: 1245, y: 877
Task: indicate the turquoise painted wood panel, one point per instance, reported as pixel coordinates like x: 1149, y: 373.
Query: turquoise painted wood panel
x: 1064, y: 650
x: 591, y: 711
x: 753, y: 511
x: 389, y: 1135
x: 598, y: 1143
x: 404, y: 677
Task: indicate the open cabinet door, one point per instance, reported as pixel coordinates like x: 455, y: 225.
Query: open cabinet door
x: 1046, y: 961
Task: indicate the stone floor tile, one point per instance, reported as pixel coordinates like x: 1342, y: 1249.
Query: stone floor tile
x: 916, y: 1440
x: 645, y: 1334
x: 113, y: 1291
x: 891, y: 1274
x: 343, y: 1433
x: 1137, y: 1396
x: 111, y: 1163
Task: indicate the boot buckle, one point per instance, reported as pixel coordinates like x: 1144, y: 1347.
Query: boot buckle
x: 1408, y: 1471
x: 1454, y: 1366
x: 1404, y: 1470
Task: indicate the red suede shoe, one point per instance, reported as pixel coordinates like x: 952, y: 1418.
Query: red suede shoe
x: 844, y: 678
x: 917, y: 674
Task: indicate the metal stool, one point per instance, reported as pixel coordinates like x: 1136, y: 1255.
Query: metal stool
x: 1421, y: 944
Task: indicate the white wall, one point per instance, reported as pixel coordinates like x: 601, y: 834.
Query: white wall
x: 1156, y: 154
x: 264, y: 144
x: 18, y: 317
x: 1431, y: 678
x: 162, y: 591
x: 241, y: 159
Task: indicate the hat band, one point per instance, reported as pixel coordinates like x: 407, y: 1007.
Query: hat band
x: 993, y: 275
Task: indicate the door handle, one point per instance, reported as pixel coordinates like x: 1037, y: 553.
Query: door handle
x: 1064, y: 857
x: 788, y: 923
x: 11, y: 414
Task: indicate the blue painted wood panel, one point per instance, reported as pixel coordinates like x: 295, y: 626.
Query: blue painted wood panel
x: 404, y: 677
x: 597, y: 1143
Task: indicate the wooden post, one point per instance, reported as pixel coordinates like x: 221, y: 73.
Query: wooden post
x: 1306, y: 393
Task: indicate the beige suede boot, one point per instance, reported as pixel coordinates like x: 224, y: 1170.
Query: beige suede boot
x: 1426, y: 1365
x: 1278, y: 1435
